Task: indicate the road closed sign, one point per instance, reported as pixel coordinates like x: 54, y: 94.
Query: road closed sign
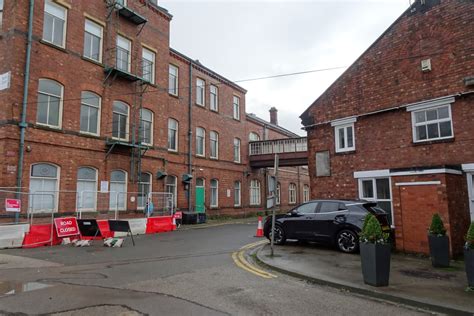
x: 66, y: 226
x: 12, y: 205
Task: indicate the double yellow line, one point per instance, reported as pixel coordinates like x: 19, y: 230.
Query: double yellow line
x: 242, y: 263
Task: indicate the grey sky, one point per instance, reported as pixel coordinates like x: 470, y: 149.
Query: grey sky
x: 248, y: 39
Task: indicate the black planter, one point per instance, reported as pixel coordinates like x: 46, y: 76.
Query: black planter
x: 439, y: 250
x: 469, y: 263
x: 375, y: 260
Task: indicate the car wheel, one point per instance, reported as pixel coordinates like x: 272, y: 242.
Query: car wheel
x: 280, y: 237
x: 347, y: 241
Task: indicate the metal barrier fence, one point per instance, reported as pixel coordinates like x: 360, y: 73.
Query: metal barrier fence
x: 20, y: 207
x: 162, y: 204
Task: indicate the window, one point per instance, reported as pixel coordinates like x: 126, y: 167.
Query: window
x: 237, y: 193
x: 86, y: 189
x: 173, y: 80
x: 171, y: 188
x: 146, y: 127
x: 90, y: 113
x: 200, y: 84
x: 44, y: 187
x: 214, y: 193
x: 172, y: 135
x: 54, y: 24
x: 236, y: 107
x: 123, y: 56
x: 308, y: 208
x: 377, y: 190
x: 200, y: 141
x: 328, y: 207
x: 50, y: 94
x: 278, y: 194
x: 432, y: 124
x: 254, y: 192
x: 1, y: 13
x: 93, y: 41
x: 305, y: 193
x: 214, y: 144
x: 144, y: 188
x: 148, y: 65
x: 236, y: 150
x: 344, y: 137
x: 214, y: 103
x: 292, y: 193
x: 120, y: 120
x: 118, y: 190
x: 254, y: 137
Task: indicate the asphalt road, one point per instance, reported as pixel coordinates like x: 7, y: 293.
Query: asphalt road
x: 186, y: 272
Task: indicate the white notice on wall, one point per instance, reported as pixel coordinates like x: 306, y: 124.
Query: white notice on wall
x: 5, y: 81
x: 228, y: 192
x: 104, y: 186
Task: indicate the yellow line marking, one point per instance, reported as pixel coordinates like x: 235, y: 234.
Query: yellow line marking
x: 242, y: 263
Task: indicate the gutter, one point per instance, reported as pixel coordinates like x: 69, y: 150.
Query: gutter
x: 22, y: 124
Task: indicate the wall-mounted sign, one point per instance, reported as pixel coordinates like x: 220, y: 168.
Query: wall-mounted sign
x: 12, y: 205
x: 5, y: 80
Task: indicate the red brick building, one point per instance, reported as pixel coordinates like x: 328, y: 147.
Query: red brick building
x: 95, y: 98
x: 397, y: 127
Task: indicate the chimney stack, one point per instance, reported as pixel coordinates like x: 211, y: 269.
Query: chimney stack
x: 274, y: 115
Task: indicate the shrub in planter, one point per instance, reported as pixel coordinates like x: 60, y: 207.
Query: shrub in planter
x: 374, y: 253
x: 438, y: 242
x: 469, y: 256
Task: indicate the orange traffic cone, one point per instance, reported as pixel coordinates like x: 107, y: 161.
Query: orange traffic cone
x: 259, y: 228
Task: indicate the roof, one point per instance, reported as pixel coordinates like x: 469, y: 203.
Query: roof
x: 278, y: 128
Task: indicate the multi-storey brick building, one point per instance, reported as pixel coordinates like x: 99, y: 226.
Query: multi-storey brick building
x: 97, y: 100
x: 397, y: 127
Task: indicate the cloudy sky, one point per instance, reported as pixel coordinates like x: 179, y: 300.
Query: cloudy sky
x: 245, y: 39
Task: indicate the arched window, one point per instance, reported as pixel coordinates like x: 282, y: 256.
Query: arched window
x: 292, y: 193
x: 236, y: 150
x: 214, y: 144
x: 237, y: 193
x: 278, y: 194
x: 200, y: 141
x: 44, y: 187
x: 144, y: 187
x: 120, y: 120
x: 305, y: 193
x: 86, y: 189
x: 146, y: 127
x: 90, y: 113
x: 171, y: 187
x: 214, y: 193
x: 172, y: 135
x: 50, y: 95
x: 118, y: 190
x: 253, y: 137
x: 255, y: 192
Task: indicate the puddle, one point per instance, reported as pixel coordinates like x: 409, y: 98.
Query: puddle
x: 12, y: 287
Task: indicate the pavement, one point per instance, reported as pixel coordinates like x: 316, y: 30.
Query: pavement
x: 413, y: 281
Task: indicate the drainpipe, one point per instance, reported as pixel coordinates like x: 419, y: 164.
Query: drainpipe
x: 22, y: 124
x: 190, y: 135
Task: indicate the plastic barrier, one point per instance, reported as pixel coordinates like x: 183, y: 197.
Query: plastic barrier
x: 138, y: 225
x: 40, y: 235
x: 159, y: 224
x: 12, y: 236
x: 104, y: 228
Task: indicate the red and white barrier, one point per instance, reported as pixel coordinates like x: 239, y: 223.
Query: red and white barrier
x: 12, y: 236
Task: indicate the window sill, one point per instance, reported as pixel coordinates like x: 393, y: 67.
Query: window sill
x: 214, y: 158
x: 236, y: 119
x: 48, y: 127
x: 173, y: 95
x: 93, y: 61
x: 346, y: 152
x: 53, y: 46
x: 200, y: 105
x: 214, y: 111
x: 84, y: 134
x: 172, y: 151
x: 434, y: 141
x: 200, y: 156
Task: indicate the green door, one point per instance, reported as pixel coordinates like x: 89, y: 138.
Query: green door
x: 199, y: 207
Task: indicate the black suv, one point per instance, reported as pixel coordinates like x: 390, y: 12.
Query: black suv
x: 335, y: 222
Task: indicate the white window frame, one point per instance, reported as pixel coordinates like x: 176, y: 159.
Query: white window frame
x: 237, y: 193
x: 254, y: 137
x: 292, y: 192
x: 214, y: 98
x: 100, y: 36
x: 375, y: 197
x: 175, y: 149
x: 65, y: 10
x: 236, y: 107
x: 175, y: 80
x: 203, y: 139
x: 344, y: 124
x: 255, y: 193
x: 124, y: 193
x: 175, y: 188
x: 98, y: 113
x: 93, y: 191
x: 1, y: 14
x: 151, y: 126
x: 146, y: 51
x: 139, y: 182
x: 214, y: 189
x: 237, y: 146
x: 128, y: 49
x: 127, y: 122
x: 214, y: 141
x: 414, y: 125
x: 305, y: 193
x: 60, y: 110
x: 200, y: 92
x: 55, y: 193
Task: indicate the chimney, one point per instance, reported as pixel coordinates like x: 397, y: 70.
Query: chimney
x: 274, y: 115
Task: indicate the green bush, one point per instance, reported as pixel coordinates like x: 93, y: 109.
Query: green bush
x: 372, y: 231
x: 437, y: 226
x: 470, y: 237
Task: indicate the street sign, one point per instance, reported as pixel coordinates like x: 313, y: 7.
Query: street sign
x: 13, y: 205
x: 178, y: 215
x: 66, y: 226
